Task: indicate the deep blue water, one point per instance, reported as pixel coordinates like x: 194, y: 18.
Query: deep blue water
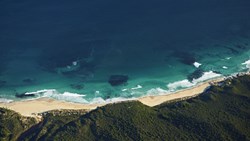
x: 72, y: 48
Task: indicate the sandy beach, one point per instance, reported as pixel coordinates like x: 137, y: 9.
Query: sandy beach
x: 187, y: 93
x: 33, y: 107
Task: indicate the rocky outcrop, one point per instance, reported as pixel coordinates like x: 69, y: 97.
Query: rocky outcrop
x: 195, y: 75
x: 24, y: 95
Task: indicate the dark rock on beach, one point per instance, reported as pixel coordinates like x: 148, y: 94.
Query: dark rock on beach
x: 115, y: 80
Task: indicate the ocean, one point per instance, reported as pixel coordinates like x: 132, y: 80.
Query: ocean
x: 104, y: 51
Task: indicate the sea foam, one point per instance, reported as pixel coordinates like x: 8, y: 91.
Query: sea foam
x: 99, y: 100
x: 157, y: 91
x: 247, y: 63
x: 5, y: 100
x: 185, y: 83
x: 137, y: 87
x: 206, y: 76
x: 39, y: 92
x: 225, y: 67
x: 67, y: 96
x: 197, y: 64
x: 179, y: 84
x: 75, y: 97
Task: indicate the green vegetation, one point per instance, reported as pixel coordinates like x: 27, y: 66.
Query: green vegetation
x: 220, y: 113
x: 13, y: 124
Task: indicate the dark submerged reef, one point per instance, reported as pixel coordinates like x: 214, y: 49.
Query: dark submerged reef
x: 220, y: 113
x: 77, y: 86
x: 185, y: 57
x: 196, y: 74
x: 2, y: 83
x: 116, y: 80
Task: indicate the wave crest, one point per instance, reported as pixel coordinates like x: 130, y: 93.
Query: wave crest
x: 247, y: 63
x: 5, y: 100
x: 185, y: 83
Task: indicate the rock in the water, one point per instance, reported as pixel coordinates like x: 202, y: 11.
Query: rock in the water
x: 23, y: 95
x: 195, y: 75
x: 116, y: 80
x: 218, y: 72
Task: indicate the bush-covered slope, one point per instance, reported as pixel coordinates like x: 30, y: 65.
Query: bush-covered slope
x: 13, y: 124
x: 220, y: 113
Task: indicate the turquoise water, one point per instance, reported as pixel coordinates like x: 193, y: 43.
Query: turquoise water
x: 69, y: 50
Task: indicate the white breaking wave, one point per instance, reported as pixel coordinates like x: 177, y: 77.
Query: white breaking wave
x: 137, y: 87
x: 74, y: 97
x: 197, y: 64
x: 225, y: 67
x: 206, y: 76
x: 5, y: 100
x: 99, y: 100
x: 74, y: 63
x: 68, y: 94
x: 134, y: 88
x: 179, y: 84
x: 52, y: 93
x: 185, y: 83
x: 247, y: 63
x: 157, y: 91
x: 124, y: 90
x: 39, y: 92
x: 172, y: 87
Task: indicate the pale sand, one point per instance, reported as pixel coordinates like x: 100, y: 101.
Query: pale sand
x: 187, y: 93
x: 33, y: 107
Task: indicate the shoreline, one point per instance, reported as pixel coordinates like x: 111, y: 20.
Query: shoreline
x: 33, y: 108
x: 152, y: 101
